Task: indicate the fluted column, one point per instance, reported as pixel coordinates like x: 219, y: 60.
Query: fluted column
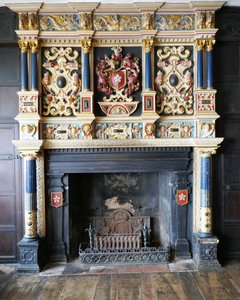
x: 34, y: 67
x: 209, y: 63
x: 86, y: 46
x: 23, y: 44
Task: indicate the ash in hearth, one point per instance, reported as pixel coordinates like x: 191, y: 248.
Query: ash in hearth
x: 113, y: 203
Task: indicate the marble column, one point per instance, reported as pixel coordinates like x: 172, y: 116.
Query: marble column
x: 148, y: 44
x: 209, y: 63
x: 86, y: 46
x: 205, y: 227
x: 29, y: 260
x: 199, y: 45
x: 34, y: 67
x: 23, y: 44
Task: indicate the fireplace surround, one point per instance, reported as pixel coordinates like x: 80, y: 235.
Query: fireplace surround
x: 117, y: 96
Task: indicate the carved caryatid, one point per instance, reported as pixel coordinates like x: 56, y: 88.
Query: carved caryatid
x: 61, y: 82
x: 174, y: 81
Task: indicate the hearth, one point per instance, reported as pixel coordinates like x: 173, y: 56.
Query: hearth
x: 125, y: 214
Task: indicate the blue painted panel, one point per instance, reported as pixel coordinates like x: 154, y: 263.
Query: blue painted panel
x: 86, y: 75
x: 205, y: 173
x: 34, y: 71
x: 148, y: 71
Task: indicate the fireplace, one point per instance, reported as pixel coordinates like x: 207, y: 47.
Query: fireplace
x: 124, y: 110
x: 139, y: 183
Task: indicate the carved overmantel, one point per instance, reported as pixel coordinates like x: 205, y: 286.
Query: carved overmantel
x: 141, y: 78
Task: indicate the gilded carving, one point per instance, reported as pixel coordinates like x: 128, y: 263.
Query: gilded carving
x: 61, y: 82
x: 86, y: 21
x: 86, y: 45
x: 147, y: 21
x: 32, y: 21
x: 118, y: 77
x: 206, y: 219
x: 200, y: 43
x: 87, y: 131
x: 148, y: 45
x: 150, y: 131
x: 61, y: 131
x: 23, y: 21
x: 117, y: 23
x: 106, y: 23
x: 31, y: 223
x: 129, y: 23
x: 28, y: 21
x: 66, y: 22
x: 174, y: 22
x: 174, y: 130
x: 209, y: 44
x: 33, y: 44
x: 118, y: 131
x: 174, y: 81
x: 23, y: 45
x: 205, y: 19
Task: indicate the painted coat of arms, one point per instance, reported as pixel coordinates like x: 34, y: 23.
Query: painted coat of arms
x: 118, y: 77
x: 182, y: 197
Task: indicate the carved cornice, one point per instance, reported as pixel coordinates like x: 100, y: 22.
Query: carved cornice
x: 98, y: 143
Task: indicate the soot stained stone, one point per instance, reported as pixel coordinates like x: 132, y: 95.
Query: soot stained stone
x: 173, y: 80
x: 61, y: 82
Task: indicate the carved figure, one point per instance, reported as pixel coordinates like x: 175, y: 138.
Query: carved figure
x: 201, y: 18
x: 150, y: 130
x: 87, y: 131
x: 209, y: 19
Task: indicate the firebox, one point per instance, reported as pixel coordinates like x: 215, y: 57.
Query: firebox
x: 119, y: 205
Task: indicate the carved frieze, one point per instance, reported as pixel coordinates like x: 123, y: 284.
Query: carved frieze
x: 174, y: 81
x: 65, y: 22
x: 176, y: 129
x: 118, y: 131
x: 61, y: 131
x: 117, y: 22
x: 174, y: 22
x: 61, y: 82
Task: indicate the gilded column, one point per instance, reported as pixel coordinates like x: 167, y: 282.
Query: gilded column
x: 23, y: 44
x: 86, y: 46
x: 199, y: 45
x: 148, y: 45
x: 33, y: 44
x: 205, y: 226
x: 209, y: 63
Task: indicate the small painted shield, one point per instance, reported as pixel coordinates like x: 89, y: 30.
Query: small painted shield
x: 56, y: 199
x: 182, y: 197
x: 118, y: 79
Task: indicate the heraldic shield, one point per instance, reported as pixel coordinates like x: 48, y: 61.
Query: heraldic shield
x: 117, y: 79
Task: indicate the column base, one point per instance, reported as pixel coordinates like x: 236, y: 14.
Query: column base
x: 205, y: 253
x: 32, y: 255
x: 182, y: 249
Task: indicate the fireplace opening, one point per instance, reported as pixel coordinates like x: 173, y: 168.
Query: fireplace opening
x: 103, y: 201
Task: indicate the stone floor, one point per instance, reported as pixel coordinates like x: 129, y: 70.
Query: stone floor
x: 173, y: 281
